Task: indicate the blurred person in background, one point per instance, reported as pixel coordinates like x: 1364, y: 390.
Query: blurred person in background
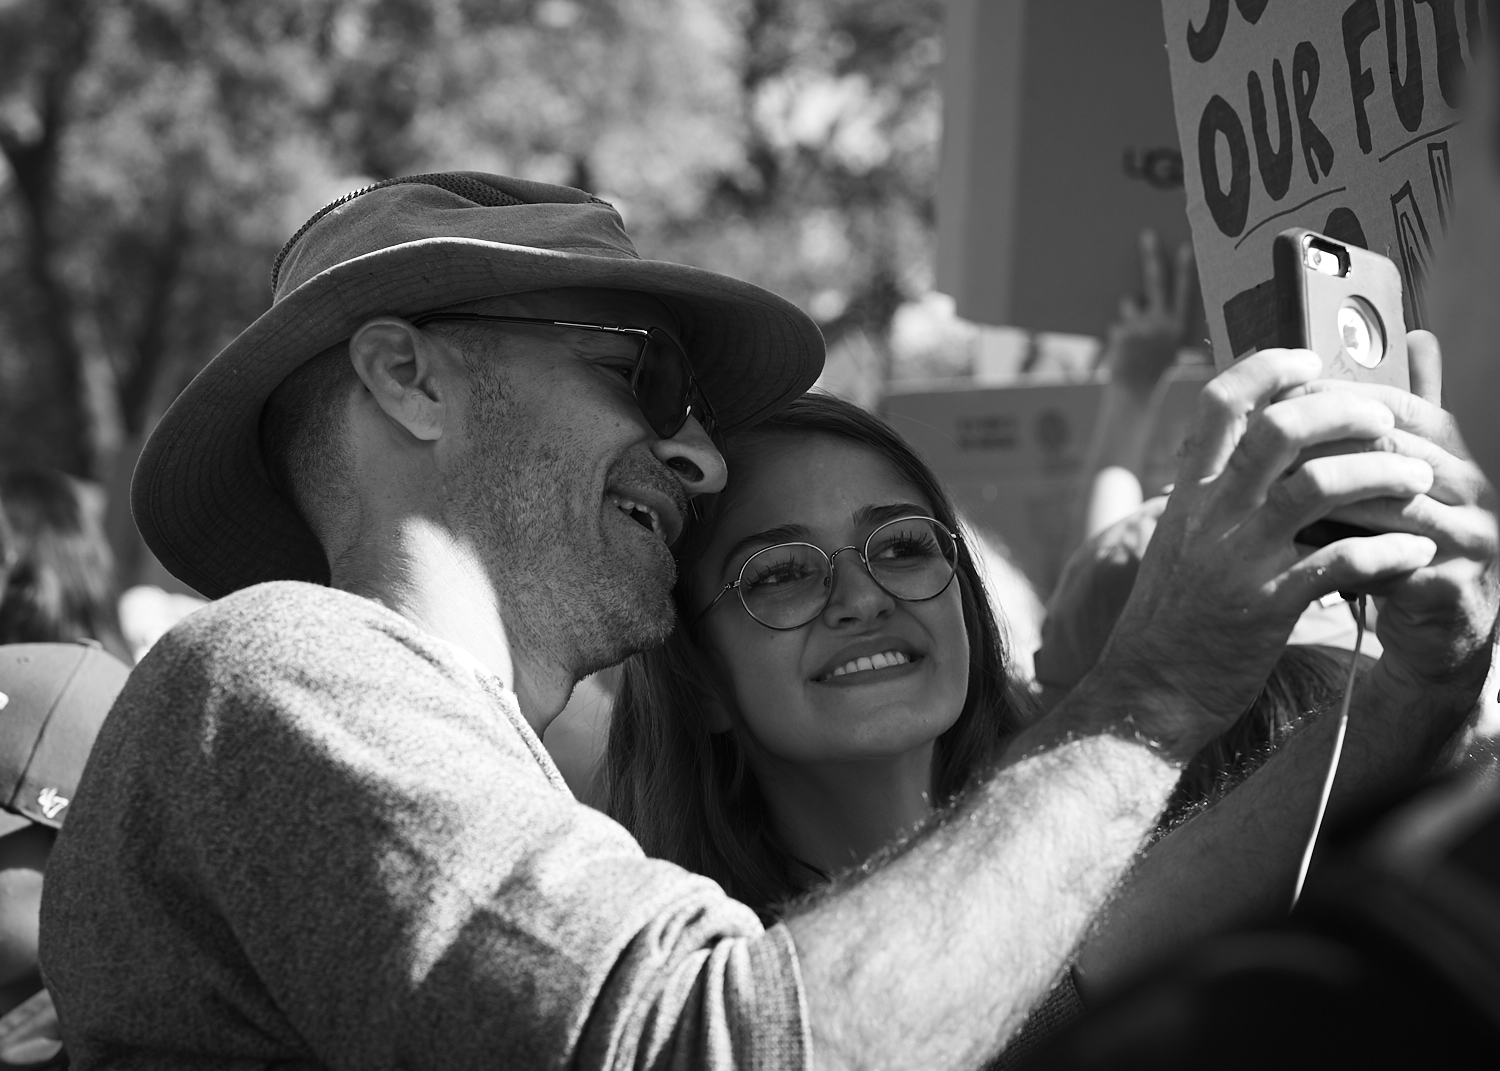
x: 53, y: 699
x: 1150, y: 335
x: 62, y: 586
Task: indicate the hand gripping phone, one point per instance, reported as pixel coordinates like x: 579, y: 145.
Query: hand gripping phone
x: 1343, y: 303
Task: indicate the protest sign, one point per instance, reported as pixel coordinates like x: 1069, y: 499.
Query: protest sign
x: 1059, y: 148
x: 1013, y: 458
x: 1333, y: 115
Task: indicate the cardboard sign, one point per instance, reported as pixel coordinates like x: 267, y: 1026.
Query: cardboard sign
x: 1335, y: 115
x: 1012, y: 457
x: 1059, y: 148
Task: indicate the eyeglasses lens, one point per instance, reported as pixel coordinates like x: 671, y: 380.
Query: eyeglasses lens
x: 786, y: 586
x: 661, y: 384
x: 912, y: 558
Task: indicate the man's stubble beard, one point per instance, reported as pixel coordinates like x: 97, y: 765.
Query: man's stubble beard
x: 572, y: 598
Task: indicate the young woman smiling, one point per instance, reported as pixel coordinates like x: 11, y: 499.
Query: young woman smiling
x: 792, y: 728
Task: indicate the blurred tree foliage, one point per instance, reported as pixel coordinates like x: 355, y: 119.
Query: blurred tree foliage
x: 160, y: 151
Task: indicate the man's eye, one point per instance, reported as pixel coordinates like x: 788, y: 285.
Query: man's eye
x: 621, y: 366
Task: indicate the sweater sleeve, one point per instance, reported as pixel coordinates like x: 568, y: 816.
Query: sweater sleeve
x: 364, y: 855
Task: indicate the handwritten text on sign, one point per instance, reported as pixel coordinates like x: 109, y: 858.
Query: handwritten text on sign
x: 1327, y: 114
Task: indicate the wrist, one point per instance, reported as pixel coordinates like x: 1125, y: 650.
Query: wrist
x: 1129, y: 699
x: 1407, y: 724
x: 1458, y: 681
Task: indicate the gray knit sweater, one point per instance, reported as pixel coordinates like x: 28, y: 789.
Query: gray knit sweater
x: 312, y: 835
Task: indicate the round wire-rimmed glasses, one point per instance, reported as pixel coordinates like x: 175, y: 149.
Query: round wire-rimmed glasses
x: 788, y: 585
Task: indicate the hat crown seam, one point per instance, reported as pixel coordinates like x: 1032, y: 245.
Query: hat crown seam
x: 489, y: 197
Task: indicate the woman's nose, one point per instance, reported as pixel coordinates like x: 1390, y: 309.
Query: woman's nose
x: 855, y: 595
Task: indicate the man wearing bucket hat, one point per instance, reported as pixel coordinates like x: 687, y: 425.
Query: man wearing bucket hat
x: 321, y: 828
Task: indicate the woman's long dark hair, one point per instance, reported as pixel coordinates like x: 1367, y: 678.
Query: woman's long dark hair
x: 688, y: 794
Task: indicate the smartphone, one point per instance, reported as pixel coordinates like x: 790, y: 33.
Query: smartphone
x: 1343, y: 303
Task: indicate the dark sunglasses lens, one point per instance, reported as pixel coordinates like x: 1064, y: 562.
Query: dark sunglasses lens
x: 704, y: 413
x: 785, y: 586
x: 661, y: 384
x: 912, y: 558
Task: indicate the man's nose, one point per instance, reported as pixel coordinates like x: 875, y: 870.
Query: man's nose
x: 692, y: 455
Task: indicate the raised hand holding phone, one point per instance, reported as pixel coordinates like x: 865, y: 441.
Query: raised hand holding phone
x: 1343, y: 303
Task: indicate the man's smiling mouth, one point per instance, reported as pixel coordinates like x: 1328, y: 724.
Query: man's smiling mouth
x: 641, y: 514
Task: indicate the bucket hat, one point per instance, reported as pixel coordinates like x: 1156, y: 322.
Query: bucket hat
x: 201, y: 495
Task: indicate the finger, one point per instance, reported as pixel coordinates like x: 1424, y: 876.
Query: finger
x: 1226, y: 402
x: 1356, y: 564
x: 1276, y: 435
x: 1326, y: 483
x: 1414, y: 414
x: 1456, y: 529
x: 1185, y: 289
x: 1424, y: 359
x: 1457, y: 481
x: 1152, y: 271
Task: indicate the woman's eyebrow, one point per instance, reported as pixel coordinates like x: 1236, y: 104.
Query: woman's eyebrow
x: 783, y: 533
x: 891, y: 512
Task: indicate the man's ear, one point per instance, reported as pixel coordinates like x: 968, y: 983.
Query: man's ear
x: 410, y: 374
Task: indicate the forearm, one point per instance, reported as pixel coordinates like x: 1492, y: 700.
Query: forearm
x: 1122, y: 432
x: 1111, y: 488
x: 934, y: 959
x: 1238, y: 861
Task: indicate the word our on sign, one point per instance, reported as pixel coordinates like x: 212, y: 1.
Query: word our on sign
x: 1336, y: 115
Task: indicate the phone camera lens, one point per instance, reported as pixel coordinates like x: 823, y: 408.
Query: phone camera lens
x: 1359, y: 331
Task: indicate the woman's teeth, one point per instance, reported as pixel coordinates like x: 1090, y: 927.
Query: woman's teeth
x: 879, y: 661
x: 644, y: 516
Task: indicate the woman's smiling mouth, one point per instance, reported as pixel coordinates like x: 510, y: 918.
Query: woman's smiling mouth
x: 868, y: 663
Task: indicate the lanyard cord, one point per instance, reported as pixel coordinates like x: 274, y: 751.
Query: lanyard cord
x: 1357, y: 608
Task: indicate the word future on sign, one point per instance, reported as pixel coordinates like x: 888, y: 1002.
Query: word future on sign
x: 1335, y: 115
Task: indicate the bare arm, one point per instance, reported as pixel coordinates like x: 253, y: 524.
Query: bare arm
x: 934, y: 959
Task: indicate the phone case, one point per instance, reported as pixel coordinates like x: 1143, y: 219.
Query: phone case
x: 1310, y: 303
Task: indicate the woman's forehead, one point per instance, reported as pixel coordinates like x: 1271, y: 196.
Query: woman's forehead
x: 809, y: 478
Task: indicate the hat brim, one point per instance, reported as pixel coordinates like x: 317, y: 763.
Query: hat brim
x: 200, y: 494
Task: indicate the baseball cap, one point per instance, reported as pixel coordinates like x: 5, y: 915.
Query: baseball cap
x: 53, y: 699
